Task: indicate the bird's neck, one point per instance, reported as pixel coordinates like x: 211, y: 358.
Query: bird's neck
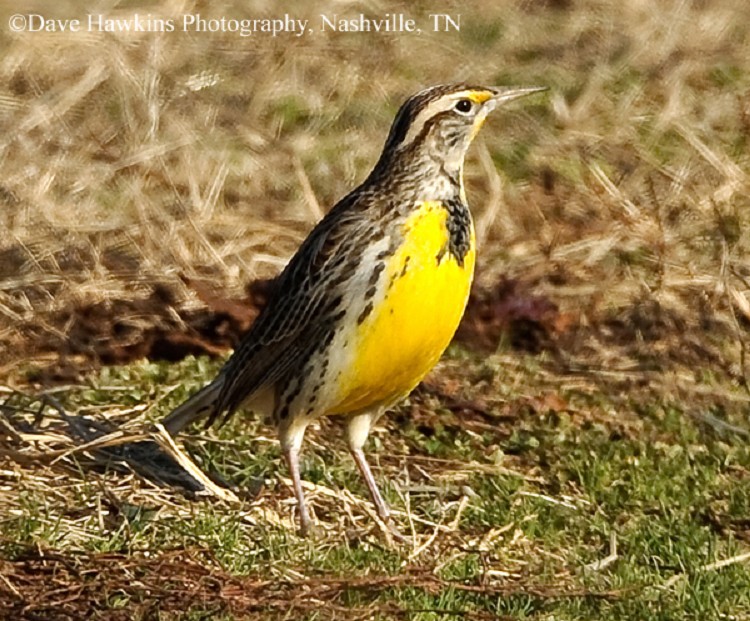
x: 421, y: 174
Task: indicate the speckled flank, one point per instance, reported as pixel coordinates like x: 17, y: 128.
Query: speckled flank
x: 365, y: 312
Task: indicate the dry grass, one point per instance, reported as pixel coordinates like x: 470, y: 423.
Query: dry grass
x: 522, y: 492
x: 132, y: 160
x: 109, y: 481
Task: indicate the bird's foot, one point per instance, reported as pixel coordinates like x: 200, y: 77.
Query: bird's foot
x: 394, y: 532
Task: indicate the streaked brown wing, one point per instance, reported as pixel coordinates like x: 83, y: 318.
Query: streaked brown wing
x: 307, y: 299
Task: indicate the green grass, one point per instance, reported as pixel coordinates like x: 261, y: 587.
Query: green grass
x: 545, y: 490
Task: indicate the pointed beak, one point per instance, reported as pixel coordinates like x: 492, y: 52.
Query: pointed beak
x: 504, y: 94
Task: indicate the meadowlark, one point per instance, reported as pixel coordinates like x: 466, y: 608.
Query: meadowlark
x: 373, y: 296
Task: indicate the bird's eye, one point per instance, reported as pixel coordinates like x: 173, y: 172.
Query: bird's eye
x: 463, y: 106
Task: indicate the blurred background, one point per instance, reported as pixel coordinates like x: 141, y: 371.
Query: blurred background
x: 150, y: 181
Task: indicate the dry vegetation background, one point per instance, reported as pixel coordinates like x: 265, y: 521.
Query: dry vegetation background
x: 132, y: 162
x: 147, y: 180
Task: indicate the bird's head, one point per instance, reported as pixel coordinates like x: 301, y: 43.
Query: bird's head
x: 441, y: 121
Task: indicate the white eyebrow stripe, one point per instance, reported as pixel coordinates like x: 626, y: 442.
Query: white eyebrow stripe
x: 441, y: 104
x: 425, y: 115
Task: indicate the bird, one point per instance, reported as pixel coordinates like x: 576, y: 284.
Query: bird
x: 373, y: 296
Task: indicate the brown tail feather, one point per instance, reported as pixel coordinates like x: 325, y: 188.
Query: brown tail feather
x: 201, y: 405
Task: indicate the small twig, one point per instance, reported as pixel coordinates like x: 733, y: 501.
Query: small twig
x: 462, y: 504
x: 11, y: 587
x: 721, y: 427
x: 549, y: 499
x: 7, y: 430
x: 494, y: 202
x: 310, y: 199
x: 489, y: 538
x: 607, y: 560
x: 426, y: 545
x: 115, y: 438
x: 744, y: 306
x: 732, y: 560
x: 406, y: 500
x: 165, y: 441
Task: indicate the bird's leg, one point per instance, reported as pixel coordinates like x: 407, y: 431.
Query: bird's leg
x: 291, y: 433
x: 291, y: 454
x: 357, y: 430
x: 364, y: 469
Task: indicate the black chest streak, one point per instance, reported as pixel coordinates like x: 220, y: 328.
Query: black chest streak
x: 459, y: 229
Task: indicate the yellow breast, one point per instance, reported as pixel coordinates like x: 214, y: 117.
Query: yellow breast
x: 423, y: 294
